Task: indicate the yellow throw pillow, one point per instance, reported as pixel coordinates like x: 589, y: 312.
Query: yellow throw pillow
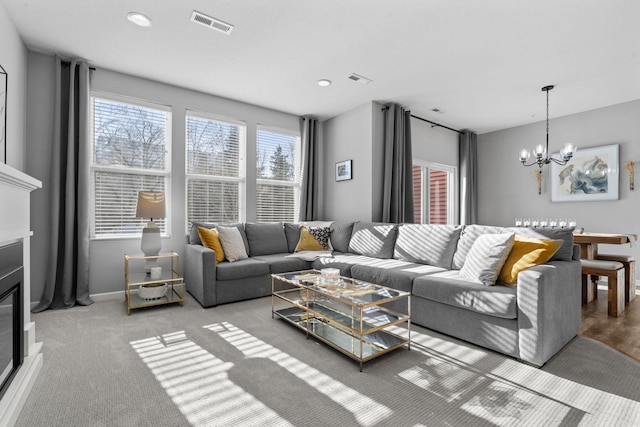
x: 526, y: 253
x: 314, y: 239
x: 209, y: 237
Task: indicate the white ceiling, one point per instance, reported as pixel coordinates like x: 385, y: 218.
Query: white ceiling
x: 482, y: 63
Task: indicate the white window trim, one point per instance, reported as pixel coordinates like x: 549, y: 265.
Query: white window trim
x: 242, y: 166
x: 93, y: 168
x: 452, y: 186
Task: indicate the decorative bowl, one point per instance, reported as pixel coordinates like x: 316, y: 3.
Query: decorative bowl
x: 155, y: 291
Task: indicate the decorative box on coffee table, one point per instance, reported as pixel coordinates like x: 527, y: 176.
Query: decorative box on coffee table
x: 141, y: 290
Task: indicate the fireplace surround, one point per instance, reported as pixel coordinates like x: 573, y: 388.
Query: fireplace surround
x: 11, y: 303
x: 21, y: 361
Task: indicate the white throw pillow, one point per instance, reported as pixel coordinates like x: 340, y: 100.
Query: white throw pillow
x: 232, y: 243
x: 486, y: 257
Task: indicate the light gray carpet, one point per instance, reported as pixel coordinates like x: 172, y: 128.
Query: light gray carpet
x: 233, y: 365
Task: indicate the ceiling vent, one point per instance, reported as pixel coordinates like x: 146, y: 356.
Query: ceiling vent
x: 213, y: 23
x: 360, y: 79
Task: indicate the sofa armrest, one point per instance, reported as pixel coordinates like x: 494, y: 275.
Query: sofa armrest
x: 200, y: 274
x: 549, y: 309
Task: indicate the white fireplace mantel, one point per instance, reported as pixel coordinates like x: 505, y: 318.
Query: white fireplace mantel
x: 15, y: 195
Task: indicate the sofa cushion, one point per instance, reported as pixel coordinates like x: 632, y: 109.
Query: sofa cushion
x: 391, y: 273
x: 373, y: 239
x: 281, y: 263
x: 565, y: 253
x: 341, y: 235
x: 449, y: 287
x: 469, y: 235
x: 194, y: 237
x: 486, y: 257
x: 266, y: 238
x: 341, y: 261
x: 232, y: 243
x: 292, y: 232
x: 526, y: 253
x: 241, y: 269
x: 427, y: 244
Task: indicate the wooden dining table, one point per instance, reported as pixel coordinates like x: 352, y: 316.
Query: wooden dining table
x: 589, y: 242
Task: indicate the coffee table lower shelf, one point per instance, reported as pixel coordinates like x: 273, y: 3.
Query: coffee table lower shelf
x: 361, y: 348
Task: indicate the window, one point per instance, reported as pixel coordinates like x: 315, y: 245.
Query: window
x: 278, y: 176
x: 130, y: 152
x: 434, y: 193
x: 215, y: 171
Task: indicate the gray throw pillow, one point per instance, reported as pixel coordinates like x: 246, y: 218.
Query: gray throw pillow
x: 232, y: 243
x: 487, y: 257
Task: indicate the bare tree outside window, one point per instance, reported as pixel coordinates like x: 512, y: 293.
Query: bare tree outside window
x: 130, y: 149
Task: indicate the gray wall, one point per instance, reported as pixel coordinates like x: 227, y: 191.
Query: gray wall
x: 433, y: 144
x: 508, y: 190
x: 349, y: 136
x: 106, y: 268
x: 13, y: 58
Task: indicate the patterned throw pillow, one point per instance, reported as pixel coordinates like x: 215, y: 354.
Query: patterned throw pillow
x: 314, y: 239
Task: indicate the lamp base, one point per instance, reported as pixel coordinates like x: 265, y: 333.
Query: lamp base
x: 151, y: 244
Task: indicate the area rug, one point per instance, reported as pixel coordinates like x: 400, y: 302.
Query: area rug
x: 233, y: 365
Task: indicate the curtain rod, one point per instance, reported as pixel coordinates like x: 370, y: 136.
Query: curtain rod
x: 436, y: 124
x: 386, y: 107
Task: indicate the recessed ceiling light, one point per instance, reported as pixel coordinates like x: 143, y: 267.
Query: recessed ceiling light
x: 139, y: 19
x: 324, y: 82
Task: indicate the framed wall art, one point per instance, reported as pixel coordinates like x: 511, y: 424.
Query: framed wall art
x: 3, y: 114
x: 591, y: 174
x: 343, y: 170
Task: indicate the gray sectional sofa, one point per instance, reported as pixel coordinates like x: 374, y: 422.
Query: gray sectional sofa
x: 530, y: 321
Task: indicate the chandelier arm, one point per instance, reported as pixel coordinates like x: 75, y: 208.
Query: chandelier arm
x: 559, y: 162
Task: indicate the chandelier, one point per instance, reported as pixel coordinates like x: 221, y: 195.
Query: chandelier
x: 541, y: 152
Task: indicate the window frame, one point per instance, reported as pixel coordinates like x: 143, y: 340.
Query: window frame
x: 95, y: 168
x: 297, y: 178
x: 452, y: 189
x: 242, y: 163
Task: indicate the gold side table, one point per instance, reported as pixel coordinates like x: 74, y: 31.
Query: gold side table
x: 143, y: 291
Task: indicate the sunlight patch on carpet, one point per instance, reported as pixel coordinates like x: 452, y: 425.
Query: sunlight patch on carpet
x: 198, y: 383
x: 365, y: 410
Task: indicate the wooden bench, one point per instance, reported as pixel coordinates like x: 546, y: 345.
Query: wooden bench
x: 614, y: 272
x: 629, y: 273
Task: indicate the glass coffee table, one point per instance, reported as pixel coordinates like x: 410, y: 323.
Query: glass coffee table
x: 349, y: 315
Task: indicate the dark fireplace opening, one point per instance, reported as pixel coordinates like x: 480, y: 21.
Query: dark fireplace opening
x: 11, y: 335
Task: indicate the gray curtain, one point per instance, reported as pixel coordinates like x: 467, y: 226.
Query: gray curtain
x: 397, y: 196
x: 67, y: 278
x: 309, y: 194
x: 467, y: 159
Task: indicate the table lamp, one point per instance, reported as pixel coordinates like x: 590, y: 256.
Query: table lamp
x: 150, y: 205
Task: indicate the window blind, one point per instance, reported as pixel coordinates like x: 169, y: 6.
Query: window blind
x: 278, y: 176
x: 215, y: 171
x: 129, y: 153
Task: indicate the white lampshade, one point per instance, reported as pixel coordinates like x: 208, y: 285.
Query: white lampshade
x: 150, y: 204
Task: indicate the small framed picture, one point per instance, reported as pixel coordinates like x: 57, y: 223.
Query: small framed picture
x: 343, y: 170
